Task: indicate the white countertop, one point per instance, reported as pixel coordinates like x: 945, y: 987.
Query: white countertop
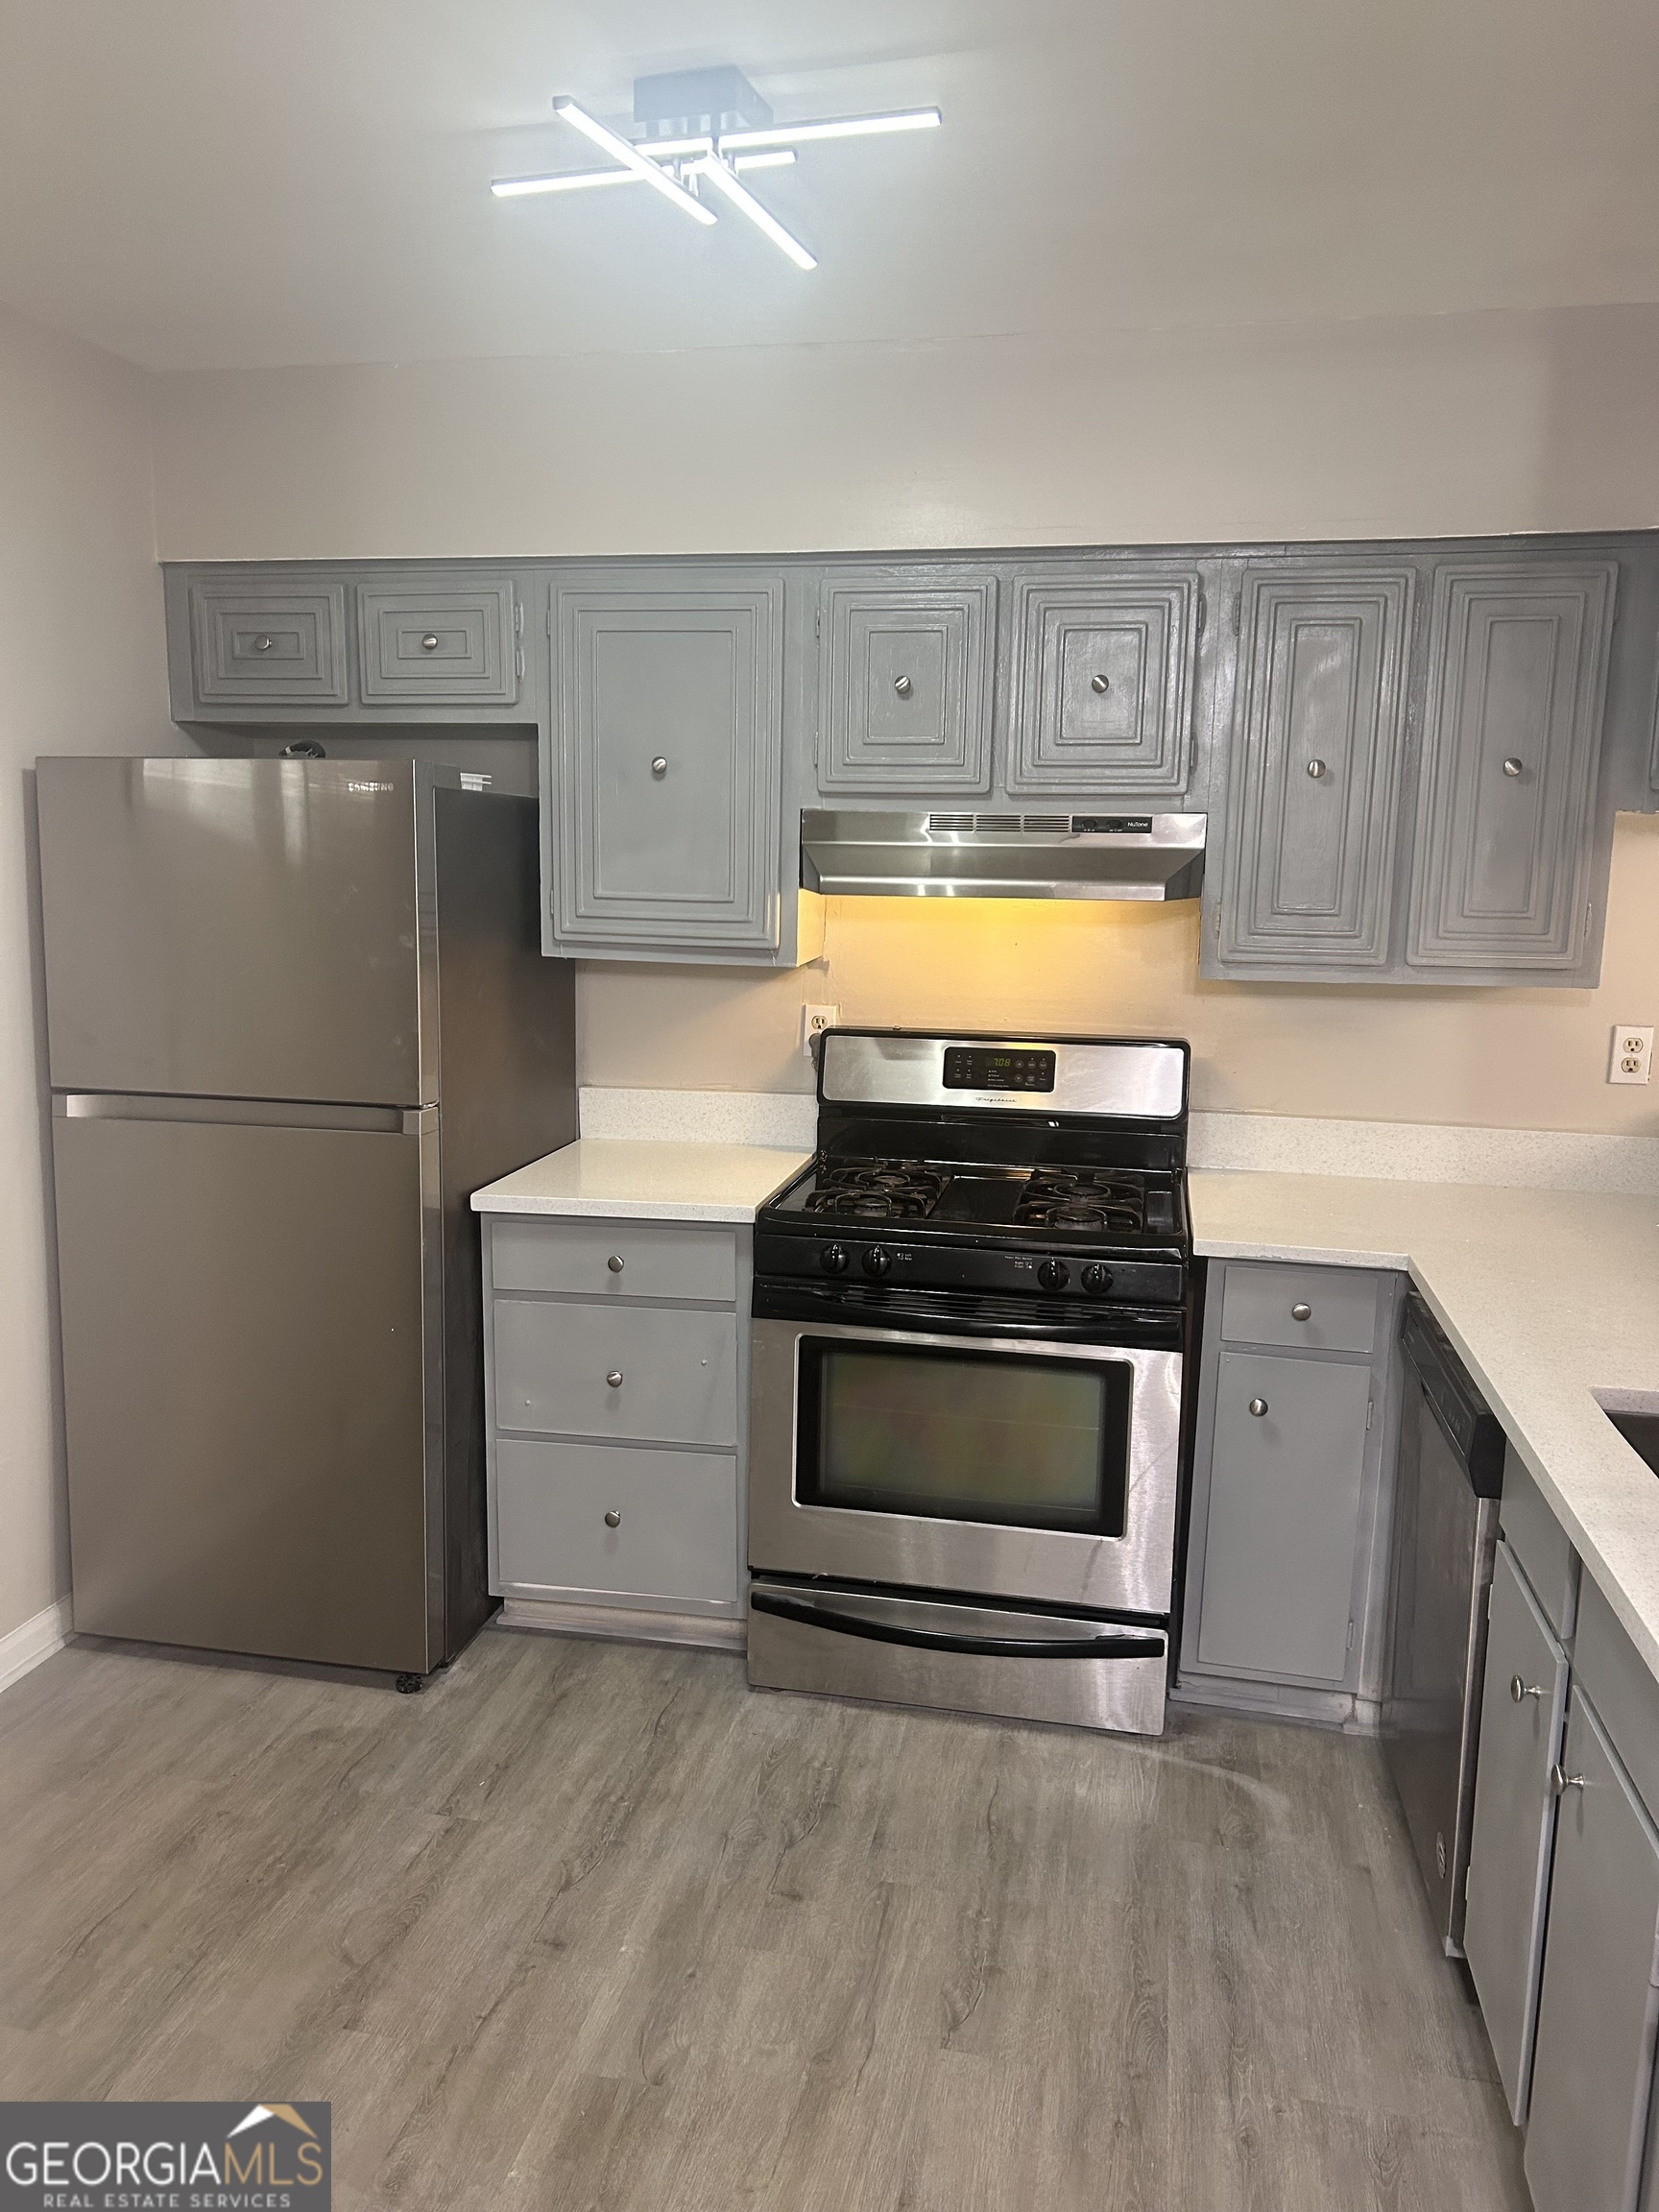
x: 1549, y: 1295
x: 658, y: 1181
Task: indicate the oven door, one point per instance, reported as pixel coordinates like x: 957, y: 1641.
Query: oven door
x: 994, y: 1465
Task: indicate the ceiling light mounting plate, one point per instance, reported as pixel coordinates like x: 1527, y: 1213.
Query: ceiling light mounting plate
x: 688, y: 102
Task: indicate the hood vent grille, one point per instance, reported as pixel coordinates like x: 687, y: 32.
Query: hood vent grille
x: 962, y: 854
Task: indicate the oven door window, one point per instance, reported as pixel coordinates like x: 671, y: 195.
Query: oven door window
x: 1027, y: 1443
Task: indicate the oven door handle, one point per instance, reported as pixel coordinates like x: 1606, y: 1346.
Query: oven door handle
x: 1112, y: 1643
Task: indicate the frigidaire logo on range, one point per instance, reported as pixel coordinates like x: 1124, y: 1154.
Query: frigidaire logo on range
x: 164, y: 2157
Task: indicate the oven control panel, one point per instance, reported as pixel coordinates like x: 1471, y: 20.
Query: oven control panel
x: 996, y: 1068
x: 888, y: 1259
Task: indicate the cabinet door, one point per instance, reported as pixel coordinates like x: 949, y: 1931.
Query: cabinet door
x: 1283, y: 1518
x: 1514, y: 1838
x: 668, y: 703
x: 439, y: 640
x: 1517, y: 673
x: 1593, y: 2066
x: 1312, y: 802
x: 905, y: 683
x: 258, y: 643
x: 1102, y: 681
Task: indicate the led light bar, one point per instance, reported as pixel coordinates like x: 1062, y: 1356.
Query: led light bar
x: 782, y: 159
x: 843, y: 127
x: 763, y: 218
x: 631, y: 159
x: 571, y: 181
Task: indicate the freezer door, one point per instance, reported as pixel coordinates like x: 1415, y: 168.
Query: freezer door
x: 238, y: 929
x: 250, y: 1423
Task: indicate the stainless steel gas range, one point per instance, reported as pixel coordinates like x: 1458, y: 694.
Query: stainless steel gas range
x: 970, y: 1324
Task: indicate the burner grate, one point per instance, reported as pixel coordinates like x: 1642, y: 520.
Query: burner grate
x: 875, y: 1190
x: 1083, y: 1198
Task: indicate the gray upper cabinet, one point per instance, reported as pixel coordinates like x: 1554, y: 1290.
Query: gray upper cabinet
x: 1517, y: 673
x: 1102, y: 682
x: 267, y: 644
x: 1315, y: 765
x: 439, y: 638
x: 667, y: 705
x: 906, y: 664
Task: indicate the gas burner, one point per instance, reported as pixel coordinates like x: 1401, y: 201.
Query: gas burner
x: 875, y: 1190
x: 1082, y: 1199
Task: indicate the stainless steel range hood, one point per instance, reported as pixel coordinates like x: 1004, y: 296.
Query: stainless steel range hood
x: 1001, y: 855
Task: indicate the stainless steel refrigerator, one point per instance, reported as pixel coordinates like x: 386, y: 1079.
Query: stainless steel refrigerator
x: 297, y: 1014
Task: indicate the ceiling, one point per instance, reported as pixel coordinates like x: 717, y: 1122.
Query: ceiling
x: 203, y: 183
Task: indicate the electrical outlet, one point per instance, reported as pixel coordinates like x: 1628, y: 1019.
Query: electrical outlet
x: 1633, y: 1060
x: 814, y: 1021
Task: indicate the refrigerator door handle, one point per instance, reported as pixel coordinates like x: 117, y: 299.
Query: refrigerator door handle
x: 245, y: 1113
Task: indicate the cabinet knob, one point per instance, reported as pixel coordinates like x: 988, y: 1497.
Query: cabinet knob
x: 1560, y: 1781
x: 901, y: 684
x: 615, y: 1378
x: 658, y: 766
x: 613, y: 1518
x: 1099, y: 684
x: 1315, y: 769
x: 1302, y: 1313
x: 1521, y: 1690
x: 429, y: 643
x: 1258, y: 1406
x: 614, y: 1262
x: 261, y: 644
x: 1512, y: 766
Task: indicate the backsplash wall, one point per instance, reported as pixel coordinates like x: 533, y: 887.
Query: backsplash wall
x: 1504, y: 1059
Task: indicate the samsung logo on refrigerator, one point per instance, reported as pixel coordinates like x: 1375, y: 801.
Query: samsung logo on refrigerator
x: 350, y: 786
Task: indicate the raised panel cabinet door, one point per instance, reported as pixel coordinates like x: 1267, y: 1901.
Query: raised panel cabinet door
x: 600, y: 1520
x: 669, y: 704
x: 438, y: 640
x: 257, y: 645
x: 905, y: 672
x: 1283, y: 1520
x: 1523, y: 1706
x: 1102, y: 681
x: 1512, y: 736
x: 1591, y: 2071
x: 1314, y: 781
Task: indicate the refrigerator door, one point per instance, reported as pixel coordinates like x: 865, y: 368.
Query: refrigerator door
x: 239, y: 929
x: 253, y: 1434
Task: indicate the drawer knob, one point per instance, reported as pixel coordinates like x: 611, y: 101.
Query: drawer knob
x: 901, y: 684
x: 1300, y: 1312
x: 261, y: 644
x: 1512, y: 766
x: 613, y: 1519
x: 658, y: 766
x: 1315, y: 769
x: 615, y: 1378
x: 1258, y: 1406
x: 429, y: 643
x: 1521, y: 1690
x: 1560, y: 1781
x: 614, y: 1262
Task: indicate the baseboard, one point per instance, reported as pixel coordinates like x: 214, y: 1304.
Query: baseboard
x: 1341, y: 1709
x: 619, y: 1624
x: 33, y: 1641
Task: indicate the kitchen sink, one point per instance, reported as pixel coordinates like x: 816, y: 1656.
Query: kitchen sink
x: 1640, y: 1430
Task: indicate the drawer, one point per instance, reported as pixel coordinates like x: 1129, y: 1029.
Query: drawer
x: 437, y: 644
x: 1609, y: 1671
x: 657, y: 1259
x: 254, y: 645
x: 1258, y: 1307
x: 678, y: 1370
x: 676, y: 1537
x: 1540, y: 1545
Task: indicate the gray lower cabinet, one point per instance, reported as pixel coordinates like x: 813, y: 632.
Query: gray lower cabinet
x: 1315, y: 767
x: 1592, y: 2071
x: 1523, y: 1711
x: 275, y: 642
x: 1102, y: 680
x: 906, y: 674
x: 1284, y: 1606
x: 1517, y: 674
x: 616, y: 1388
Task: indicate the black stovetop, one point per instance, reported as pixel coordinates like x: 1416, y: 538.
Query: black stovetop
x: 1106, y: 1209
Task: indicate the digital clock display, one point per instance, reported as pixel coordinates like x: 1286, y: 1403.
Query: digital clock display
x: 981, y: 1068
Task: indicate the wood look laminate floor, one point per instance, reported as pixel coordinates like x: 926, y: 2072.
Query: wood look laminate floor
x: 593, y: 1925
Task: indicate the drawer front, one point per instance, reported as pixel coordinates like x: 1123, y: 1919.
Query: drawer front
x: 254, y: 647
x: 677, y: 1370
x: 452, y: 644
x: 1540, y: 1546
x: 1259, y: 1306
x: 1611, y: 1672
x: 577, y: 1256
x: 676, y: 1533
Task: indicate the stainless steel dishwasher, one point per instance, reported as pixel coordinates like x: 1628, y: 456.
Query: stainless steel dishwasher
x: 1447, y: 1487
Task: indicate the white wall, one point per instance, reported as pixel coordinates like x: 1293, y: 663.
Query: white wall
x: 81, y: 670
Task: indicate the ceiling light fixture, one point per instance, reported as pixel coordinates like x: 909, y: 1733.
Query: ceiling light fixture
x: 708, y: 124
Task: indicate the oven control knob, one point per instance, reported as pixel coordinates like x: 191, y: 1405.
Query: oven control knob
x: 877, y: 1261
x: 834, y: 1259
x: 1095, y: 1278
x: 1054, y: 1274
